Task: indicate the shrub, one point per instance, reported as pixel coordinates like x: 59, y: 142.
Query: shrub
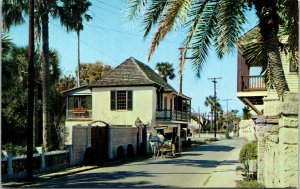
x: 16, y: 150
x: 249, y: 184
x: 248, y: 152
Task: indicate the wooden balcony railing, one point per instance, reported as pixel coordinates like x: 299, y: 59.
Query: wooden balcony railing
x: 253, y: 83
x: 175, y: 115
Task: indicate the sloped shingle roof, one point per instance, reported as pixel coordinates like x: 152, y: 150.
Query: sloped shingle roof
x: 132, y: 73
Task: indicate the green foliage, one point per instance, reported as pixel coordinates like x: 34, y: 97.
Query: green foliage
x: 246, y: 113
x: 16, y: 149
x: 248, y: 152
x: 249, y: 184
x: 165, y: 70
x: 93, y: 72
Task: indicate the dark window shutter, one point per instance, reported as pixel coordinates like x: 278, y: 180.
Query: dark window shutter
x: 88, y: 102
x: 70, y: 103
x: 129, y: 100
x: 113, y: 100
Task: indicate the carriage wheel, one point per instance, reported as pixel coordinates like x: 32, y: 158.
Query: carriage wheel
x: 173, y: 148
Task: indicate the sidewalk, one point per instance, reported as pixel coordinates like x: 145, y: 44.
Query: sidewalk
x: 226, y: 174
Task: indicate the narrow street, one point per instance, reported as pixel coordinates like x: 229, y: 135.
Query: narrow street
x: 193, y: 168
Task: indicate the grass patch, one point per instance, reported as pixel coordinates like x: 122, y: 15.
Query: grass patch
x: 249, y: 184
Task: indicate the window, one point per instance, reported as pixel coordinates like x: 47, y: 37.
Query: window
x: 79, y: 107
x: 82, y: 102
x: 121, y: 100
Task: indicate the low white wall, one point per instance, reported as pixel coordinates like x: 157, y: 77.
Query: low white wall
x: 122, y: 136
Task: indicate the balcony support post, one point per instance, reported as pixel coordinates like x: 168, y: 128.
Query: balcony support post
x: 252, y: 106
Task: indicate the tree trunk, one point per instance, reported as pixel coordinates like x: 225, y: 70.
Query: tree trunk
x: 45, y: 79
x: 30, y: 106
x: 35, y: 117
x: 267, y: 12
x: 78, y: 54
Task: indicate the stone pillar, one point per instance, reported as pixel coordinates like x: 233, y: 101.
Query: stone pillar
x: 260, y: 154
x: 89, y: 136
x: 41, y: 151
x: 8, y: 155
x: 71, y: 155
x: 110, y: 146
x: 288, y: 140
x: 281, y: 138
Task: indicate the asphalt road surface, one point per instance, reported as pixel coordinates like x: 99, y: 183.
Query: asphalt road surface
x: 192, y: 168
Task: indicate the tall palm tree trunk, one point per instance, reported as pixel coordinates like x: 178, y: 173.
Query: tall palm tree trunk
x: 30, y: 138
x: 267, y: 13
x: 78, y: 54
x: 45, y: 79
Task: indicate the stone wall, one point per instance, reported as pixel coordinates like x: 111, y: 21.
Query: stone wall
x: 278, y: 142
x: 122, y: 136
x: 246, y: 129
x: 81, y: 138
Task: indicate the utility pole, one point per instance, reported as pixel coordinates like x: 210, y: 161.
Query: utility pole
x: 199, y: 117
x: 181, y: 62
x: 214, y: 80
x: 227, y: 110
x: 30, y: 104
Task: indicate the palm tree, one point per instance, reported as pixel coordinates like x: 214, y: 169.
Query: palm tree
x: 165, y: 70
x: 220, y: 22
x: 13, y: 14
x: 70, y: 10
x: 209, y: 102
x: 246, y: 113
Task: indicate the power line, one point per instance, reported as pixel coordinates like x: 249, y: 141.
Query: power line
x: 132, y: 34
x: 113, y: 6
x: 108, y: 10
x: 101, y: 52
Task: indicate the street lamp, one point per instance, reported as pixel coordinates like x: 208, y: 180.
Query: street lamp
x: 138, y: 124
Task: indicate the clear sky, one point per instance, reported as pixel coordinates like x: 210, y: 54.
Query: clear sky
x: 110, y: 38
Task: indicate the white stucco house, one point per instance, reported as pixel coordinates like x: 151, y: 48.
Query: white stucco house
x: 129, y: 91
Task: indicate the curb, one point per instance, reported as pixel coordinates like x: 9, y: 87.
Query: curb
x: 44, y: 177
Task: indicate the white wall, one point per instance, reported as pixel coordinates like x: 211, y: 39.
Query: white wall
x: 144, y: 106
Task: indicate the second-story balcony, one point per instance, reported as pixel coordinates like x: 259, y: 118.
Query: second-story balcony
x: 173, y: 115
x: 253, y: 83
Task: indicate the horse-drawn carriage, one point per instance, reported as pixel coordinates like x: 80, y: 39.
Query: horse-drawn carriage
x: 161, y: 145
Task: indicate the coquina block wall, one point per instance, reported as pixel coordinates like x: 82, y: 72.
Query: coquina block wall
x: 278, y: 142
x: 246, y: 129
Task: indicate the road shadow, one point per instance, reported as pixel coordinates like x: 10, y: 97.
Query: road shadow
x: 215, y: 148
x: 99, y: 180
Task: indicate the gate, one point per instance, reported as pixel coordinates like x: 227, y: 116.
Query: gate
x: 99, y: 143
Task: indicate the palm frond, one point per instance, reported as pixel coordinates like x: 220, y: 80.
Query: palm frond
x: 254, y: 49
x: 230, y: 18
x: 288, y: 12
x: 152, y: 14
x: 134, y: 9
x: 195, y: 12
x: 12, y: 12
x: 177, y: 10
x: 202, y: 36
